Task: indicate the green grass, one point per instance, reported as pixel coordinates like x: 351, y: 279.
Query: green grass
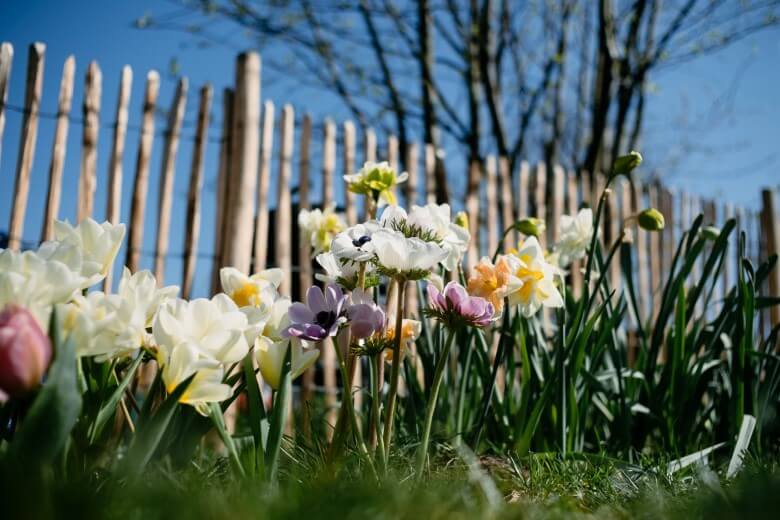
x: 536, y: 486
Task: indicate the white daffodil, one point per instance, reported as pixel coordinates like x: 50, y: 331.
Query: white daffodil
x: 93, y: 323
x: 271, y: 347
x: 318, y: 227
x: 377, y: 180
x: 354, y: 244
x: 435, y: 219
x: 114, y: 325
x: 258, y: 290
x: 532, y: 279
x: 576, y: 233
x: 215, y: 327
x: 407, y: 257
x: 36, y: 283
x: 184, y: 360
x: 98, y: 244
x: 140, y: 294
x: 336, y: 270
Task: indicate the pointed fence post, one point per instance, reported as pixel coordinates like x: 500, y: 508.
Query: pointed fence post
x: 221, y: 201
x: 141, y: 182
x: 283, y: 223
x: 263, y: 181
x: 114, y: 198
x: 170, y: 149
x: 192, y: 233
x: 32, y: 105
x: 58, y: 149
x: 242, y: 178
x: 772, y: 233
x: 91, y: 115
x: 6, y: 58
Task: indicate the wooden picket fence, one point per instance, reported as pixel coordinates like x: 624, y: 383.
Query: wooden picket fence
x: 255, y: 228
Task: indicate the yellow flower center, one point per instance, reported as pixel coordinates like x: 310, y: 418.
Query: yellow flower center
x: 530, y: 277
x: 248, y: 295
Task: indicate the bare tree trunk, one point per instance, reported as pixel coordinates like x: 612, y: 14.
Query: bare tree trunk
x: 552, y: 147
x: 602, y: 85
x: 396, y: 103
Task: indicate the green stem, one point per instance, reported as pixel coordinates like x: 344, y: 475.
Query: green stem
x: 375, y: 390
x: 351, y: 412
x: 396, y: 368
x: 441, y: 363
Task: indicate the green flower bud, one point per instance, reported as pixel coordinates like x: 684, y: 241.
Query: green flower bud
x: 530, y: 226
x: 625, y: 164
x: 651, y: 220
x: 462, y: 220
x: 710, y: 232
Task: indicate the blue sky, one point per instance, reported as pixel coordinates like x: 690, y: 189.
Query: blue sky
x: 725, y: 104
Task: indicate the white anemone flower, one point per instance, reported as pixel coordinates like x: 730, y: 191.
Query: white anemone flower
x: 404, y: 256
x: 216, y: 328
x: 271, y: 347
x: 393, y: 215
x: 184, y: 360
x: 576, y: 233
x: 532, y: 280
x: 336, y: 270
x: 435, y: 219
x: 354, y: 244
x: 318, y: 227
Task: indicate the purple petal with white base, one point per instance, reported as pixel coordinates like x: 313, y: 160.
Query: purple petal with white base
x: 320, y: 317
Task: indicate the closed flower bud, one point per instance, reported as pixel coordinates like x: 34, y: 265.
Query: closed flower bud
x: 651, y: 220
x: 462, y: 219
x: 625, y: 164
x: 25, y: 352
x: 531, y: 227
x: 710, y: 232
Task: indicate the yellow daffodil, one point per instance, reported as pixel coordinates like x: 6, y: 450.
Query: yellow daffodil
x: 531, y: 283
x: 410, y: 332
x: 377, y: 180
x: 318, y: 227
x: 490, y: 281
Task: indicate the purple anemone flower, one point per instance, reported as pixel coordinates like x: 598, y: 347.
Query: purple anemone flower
x: 320, y: 317
x: 365, y: 316
x: 454, y: 306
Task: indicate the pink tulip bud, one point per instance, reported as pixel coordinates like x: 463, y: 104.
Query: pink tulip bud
x: 25, y: 352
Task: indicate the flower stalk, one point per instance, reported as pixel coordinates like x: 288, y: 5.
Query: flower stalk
x: 395, y: 371
x: 441, y: 364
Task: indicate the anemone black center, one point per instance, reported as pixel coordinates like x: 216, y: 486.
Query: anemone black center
x: 325, y: 318
x: 360, y: 242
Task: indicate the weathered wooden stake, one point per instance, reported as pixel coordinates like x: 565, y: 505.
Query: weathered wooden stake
x: 91, y: 115
x: 32, y: 104
x: 168, y: 169
x: 141, y: 183
x: 58, y: 148
x: 261, y: 216
x: 192, y: 234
